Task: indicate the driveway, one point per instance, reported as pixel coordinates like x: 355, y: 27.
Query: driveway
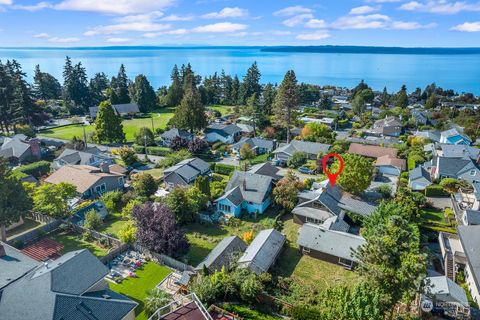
x: 385, y: 179
x: 441, y: 202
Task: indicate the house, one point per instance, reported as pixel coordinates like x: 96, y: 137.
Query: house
x: 188, y: 307
x: 266, y: 169
x: 262, y: 253
x: 431, y: 135
x: 223, y: 254
x: 169, y: 135
x: 258, y: 145
x: 185, y: 172
x: 325, y: 201
x: 447, y: 296
x: 120, y: 109
x: 90, y: 156
x: 390, y: 165
x: 419, y: 179
x: 20, y: 149
x: 226, y: 133
x: 452, y: 136
x: 71, y: 287
x: 476, y: 194
x: 457, y: 151
x: 471, y: 217
x: 245, y: 191
x: 470, y: 240
x: 389, y: 126
x: 458, y: 168
x: 330, y: 122
x: 89, y: 181
x: 98, y: 207
x: 246, y: 128
x: 371, y: 151
x: 326, y: 242
x: 284, y: 152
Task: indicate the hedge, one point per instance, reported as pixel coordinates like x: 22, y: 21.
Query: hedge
x: 154, y: 151
x: 37, y: 169
x: 411, y: 163
x: 222, y: 168
x: 435, y: 191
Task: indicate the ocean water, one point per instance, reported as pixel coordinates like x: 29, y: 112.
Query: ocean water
x: 460, y: 72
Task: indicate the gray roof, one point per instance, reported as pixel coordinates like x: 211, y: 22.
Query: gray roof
x: 266, y: 169
x: 14, y: 146
x: 470, y: 239
x: 419, y: 172
x: 332, y: 242
x: 255, y: 143
x: 14, y: 265
x: 252, y: 187
x: 71, y: 156
x: 262, y: 252
x: 429, y: 134
x: 314, y: 213
x: 175, y: 132
x: 444, y: 289
x: 223, y: 253
x: 476, y: 189
x: 454, y: 132
x: 188, y: 169
x: 56, y: 291
x: 119, y: 108
x: 454, y: 166
x: 459, y: 151
x: 303, y: 146
x: 473, y: 217
x: 224, y: 130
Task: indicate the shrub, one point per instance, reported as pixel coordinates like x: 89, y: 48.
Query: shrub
x: 385, y: 190
x: 217, y: 145
x: 112, y: 201
x: 154, y: 151
x: 92, y: 220
x: 127, y: 155
x: 127, y: 210
x: 450, y: 184
x: 144, y: 184
x: 36, y: 169
x: 175, y: 157
x: 224, y: 169
x: 247, y: 237
x: 435, y: 191
x: 305, y: 313
x: 297, y: 159
x: 127, y: 233
x: 217, y: 188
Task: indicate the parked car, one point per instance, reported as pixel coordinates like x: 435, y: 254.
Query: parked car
x: 306, y: 170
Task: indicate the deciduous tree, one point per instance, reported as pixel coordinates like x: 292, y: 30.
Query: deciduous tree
x: 356, y: 175
x: 285, y: 193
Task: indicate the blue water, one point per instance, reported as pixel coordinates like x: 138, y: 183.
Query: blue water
x: 458, y: 72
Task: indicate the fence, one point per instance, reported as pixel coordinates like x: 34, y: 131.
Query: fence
x: 32, y: 235
x: 271, y: 300
x: 163, y: 259
x: 114, y: 252
x: 40, y: 217
x: 111, y: 241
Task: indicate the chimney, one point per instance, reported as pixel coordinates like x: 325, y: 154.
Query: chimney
x: 35, y: 147
x: 274, y: 144
x: 46, y: 264
x: 244, y: 184
x: 105, y: 167
x: 2, y: 250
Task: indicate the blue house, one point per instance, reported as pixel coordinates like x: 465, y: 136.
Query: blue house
x: 452, y: 136
x: 246, y: 191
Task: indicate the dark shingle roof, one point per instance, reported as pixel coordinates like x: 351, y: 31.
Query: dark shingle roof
x: 470, y: 239
x: 223, y: 129
x: 188, y: 169
x: 14, y: 264
x: 266, y: 169
x: 83, y: 308
x: 223, y: 253
x: 255, y: 142
x: 453, y: 166
x: 175, y: 132
x: 473, y: 217
x: 303, y: 146
x: 419, y: 172
x: 253, y: 187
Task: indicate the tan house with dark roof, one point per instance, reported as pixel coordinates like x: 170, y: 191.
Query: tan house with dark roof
x: 89, y: 181
x: 371, y: 151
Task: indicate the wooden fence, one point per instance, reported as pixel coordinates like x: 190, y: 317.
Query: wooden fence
x: 32, y: 235
x: 113, y: 253
x: 163, y: 259
x: 111, y: 241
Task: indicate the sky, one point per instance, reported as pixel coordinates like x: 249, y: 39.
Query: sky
x: 79, y: 23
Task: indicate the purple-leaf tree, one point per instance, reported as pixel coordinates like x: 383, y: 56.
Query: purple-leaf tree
x: 197, y: 146
x: 157, y: 229
x: 178, y: 143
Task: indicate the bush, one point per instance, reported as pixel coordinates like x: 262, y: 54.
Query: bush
x: 36, y: 169
x: 112, y: 201
x: 305, y: 313
x: 385, y: 190
x: 174, y: 158
x: 224, y: 169
x: 217, y: 188
x: 144, y: 184
x: 92, y: 220
x: 297, y: 159
x: 435, y: 191
x: 127, y: 210
x: 450, y: 184
x: 217, y: 145
x: 127, y: 155
x: 127, y: 233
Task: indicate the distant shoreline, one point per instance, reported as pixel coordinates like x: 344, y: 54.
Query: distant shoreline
x: 291, y: 49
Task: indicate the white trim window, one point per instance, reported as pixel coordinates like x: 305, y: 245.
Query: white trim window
x: 345, y: 262
x: 313, y: 220
x: 473, y: 173
x: 305, y: 250
x: 101, y: 188
x: 224, y: 207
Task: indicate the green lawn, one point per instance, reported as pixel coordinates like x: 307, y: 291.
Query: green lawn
x: 72, y: 242
x: 156, y: 173
x: 28, y: 224
x: 204, y: 237
x: 136, y: 288
x: 247, y: 312
x: 434, y: 220
x: 113, y: 224
x: 160, y: 120
x: 224, y: 110
x: 306, y: 271
x: 260, y: 159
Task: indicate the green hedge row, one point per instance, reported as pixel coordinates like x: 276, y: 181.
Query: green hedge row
x: 154, y: 151
x: 435, y: 191
x: 37, y: 169
x: 222, y: 168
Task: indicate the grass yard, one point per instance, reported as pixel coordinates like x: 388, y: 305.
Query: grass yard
x: 247, y: 312
x: 113, y: 224
x: 160, y: 120
x: 204, y: 237
x: 28, y: 224
x: 136, y: 288
x: 72, y: 242
x: 434, y: 220
x: 224, y: 110
x: 260, y: 159
x: 156, y: 172
x: 308, y: 271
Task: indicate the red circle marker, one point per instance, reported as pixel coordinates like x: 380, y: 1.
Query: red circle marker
x: 332, y: 177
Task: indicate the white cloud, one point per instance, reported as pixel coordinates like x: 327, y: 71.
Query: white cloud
x: 176, y: 32
x: 382, y: 1
x: 63, y: 40
x: 291, y: 11
x: 140, y: 17
x: 221, y: 27
x: 41, y: 35
x: 118, y: 40
x: 316, y: 24
x: 35, y: 7
x: 441, y: 6
x: 227, y: 12
x: 281, y: 33
x: 402, y: 25
x: 372, y: 21
x: 174, y: 17
x: 319, y: 35
x: 364, y: 9
x: 121, y: 7
x: 467, y: 27
x: 127, y: 27
x: 6, y: 2
x: 296, y: 20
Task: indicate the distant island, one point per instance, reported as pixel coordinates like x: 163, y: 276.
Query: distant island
x: 371, y: 50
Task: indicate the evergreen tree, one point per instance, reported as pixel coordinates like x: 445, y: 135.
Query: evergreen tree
x: 98, y: 84
x: 268, y: 95
x: 108, y: 125
x: 401, y: 99
x: 385, y: 98
x: 45, y: 86
x: 6, y: 98
x: 75, y: 85
x: 119, y: 87
x: 286, y: 102
x: 252, y: 110
x: 236, y: 91
x: 21, y: 106
x: 175, y: 91
x: 143, y: 94
x: 251, y: 83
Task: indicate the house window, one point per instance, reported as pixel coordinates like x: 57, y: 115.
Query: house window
x: 314, y: 221
x: 120, y: 182
x: 472, y: 173
x: 224, y: 207
x: 101, y: 188
x: 306, y: 250
x: 345, y: 262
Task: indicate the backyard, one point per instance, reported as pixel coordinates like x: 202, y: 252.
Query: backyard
x: 160, y: 120
x: 434, y: 220
x: 113, y: 224
x: 27, y: 225
x: 72, y: 242
x: 147, y: 278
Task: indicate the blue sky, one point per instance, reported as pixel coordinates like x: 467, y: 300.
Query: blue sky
x: 441, y: 23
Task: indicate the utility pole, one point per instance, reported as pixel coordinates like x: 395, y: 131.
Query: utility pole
x: 84, y: 136
x: 145, y: 143
x: 153, y: 127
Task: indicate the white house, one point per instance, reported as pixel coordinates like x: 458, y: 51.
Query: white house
x: 226, y: 133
